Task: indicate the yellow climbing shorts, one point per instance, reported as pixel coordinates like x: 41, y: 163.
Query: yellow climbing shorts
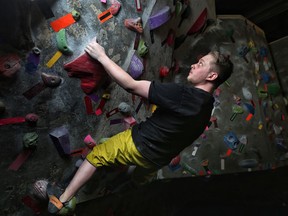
x: 117, y: 150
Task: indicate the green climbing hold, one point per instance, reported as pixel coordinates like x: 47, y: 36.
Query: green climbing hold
x: 76, y: 15
x: 142, y: 48
x: 30, y: 140
x: 62, y: 42
x: 237, y: 109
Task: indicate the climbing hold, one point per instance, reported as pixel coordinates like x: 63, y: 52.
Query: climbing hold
x: 69, y: 207
x: 231, y: 140
x: 243, y: 51
x: 31, y: 117
x: 246, y: 93
x: 63, y: 21
x: 136, y: 67
x: 60, y: 138
x: 175, y: 163
x: 62, y: 42
x: 104, y: 16
x: 89, y: 141
x: 178, y: 8
x: 163, y: 71
x: 9, y: 65
x: 159, y: 18
x: 115, y: 7
x: 75, y: 15
x: 36, y: 50
x: 124, y: 108
x: 134, y: 25
x: 51, y: 80
x: 30, y: 140
x: 249, y: 108
x: 142, y: 48
x: 39, y: 189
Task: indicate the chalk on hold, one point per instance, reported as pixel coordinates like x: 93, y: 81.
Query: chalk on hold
x: 60, y: 138
x: 134, y: 25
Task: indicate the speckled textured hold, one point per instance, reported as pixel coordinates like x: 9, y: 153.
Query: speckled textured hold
x: 115, y: 7
x: 39, y: 189
x: 134, y: 25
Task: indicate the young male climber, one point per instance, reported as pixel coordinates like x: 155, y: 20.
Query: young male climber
x: 183, y: 111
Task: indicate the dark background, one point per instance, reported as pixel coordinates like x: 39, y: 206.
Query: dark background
x: 270, y: 16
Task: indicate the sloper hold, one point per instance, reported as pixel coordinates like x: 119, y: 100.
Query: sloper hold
x: 62, y: 44
x: 136, y: 67
x: 159, y: 18
x: 90, y: 71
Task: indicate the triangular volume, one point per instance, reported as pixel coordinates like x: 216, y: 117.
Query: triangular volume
x: 159, y: 18
x: 90, y: 71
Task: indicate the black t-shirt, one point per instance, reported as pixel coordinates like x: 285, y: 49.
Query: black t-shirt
x: 182, y: 114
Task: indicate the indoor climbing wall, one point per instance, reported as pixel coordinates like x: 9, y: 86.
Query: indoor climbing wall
x: 247, y: 131
x: 279, y: 52
x: 56, y: 102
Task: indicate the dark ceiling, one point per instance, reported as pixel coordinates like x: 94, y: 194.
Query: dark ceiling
x: 270, y: 15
